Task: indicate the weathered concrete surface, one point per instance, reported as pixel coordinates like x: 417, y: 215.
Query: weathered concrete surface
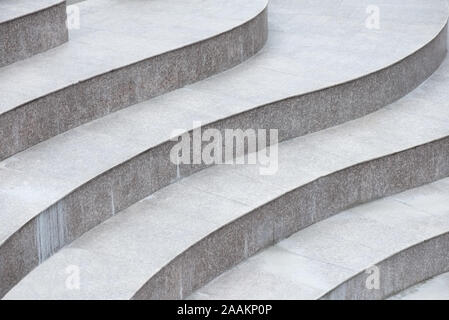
x: 29, y: 27
x: 46, y: 184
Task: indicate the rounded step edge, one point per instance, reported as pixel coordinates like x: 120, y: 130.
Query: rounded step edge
x: 54, y: 113
x: 293, y: 211
x: 328, y: 253
x: 398, y: 272
x: 26, y: 33
x: 65, y: 220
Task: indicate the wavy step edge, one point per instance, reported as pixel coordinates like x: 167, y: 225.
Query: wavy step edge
x: 24, y: 36
x: 101, y: 197
x: 293, y: 211
x: 47, y: 116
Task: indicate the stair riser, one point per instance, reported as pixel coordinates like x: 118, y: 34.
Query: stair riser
x: 34, y: 33
x: 398, y: 272
x: 304, y: 114
x: 152, y: 170
x: 46, y: 117
x: 294, y: 211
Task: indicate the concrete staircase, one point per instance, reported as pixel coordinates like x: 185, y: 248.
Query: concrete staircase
x: 86, y: 178
x: 123, y: 54
x: 405, y: 237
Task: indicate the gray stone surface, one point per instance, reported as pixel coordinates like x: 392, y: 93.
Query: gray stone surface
x: 408, y: 267
x: 159, y: 257
x: 436, y: 288
x: 329, y: 259
x: 72, y: 168
x: 29, y: 27
x: 290, y: 65
x: 124, y: 52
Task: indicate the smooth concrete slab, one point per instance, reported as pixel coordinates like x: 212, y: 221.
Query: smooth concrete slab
x: 436, y: 288
x: 137, y: 156
x: 29, y: 27
x: 332, y: 251
x: 121, y: 53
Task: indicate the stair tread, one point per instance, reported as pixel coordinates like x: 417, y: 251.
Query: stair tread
x: 115, y: 34
x: 34, y: 179
x: 142, y: 239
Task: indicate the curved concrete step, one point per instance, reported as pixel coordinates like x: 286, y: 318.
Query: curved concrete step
x: 111, y: 163
x: 436, y: 288
x: 124, y: 52
x: 403, y: 239
x: 186, y: 234
x: 29, y: 27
